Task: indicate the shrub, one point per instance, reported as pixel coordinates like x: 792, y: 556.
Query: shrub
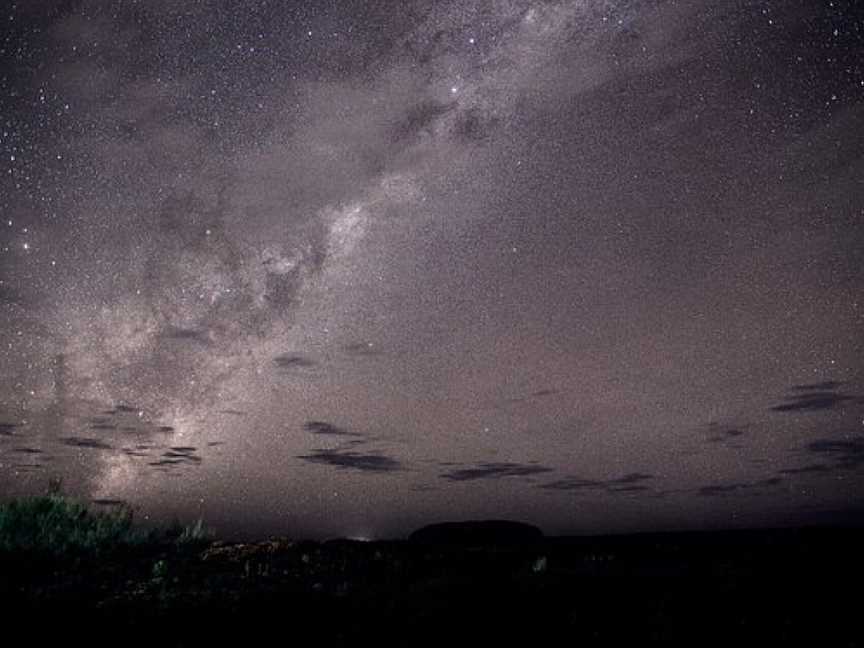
x: 58, y: 527
x: 188, y: 535
x: 194, y: 533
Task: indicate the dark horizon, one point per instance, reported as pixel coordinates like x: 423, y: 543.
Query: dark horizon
x: 347, y: 269
x: 831, y: 520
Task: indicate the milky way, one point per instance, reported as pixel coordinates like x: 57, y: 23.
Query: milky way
x: 346, y: 268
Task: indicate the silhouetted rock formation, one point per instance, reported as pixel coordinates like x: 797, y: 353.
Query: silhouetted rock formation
x: 478, y: 533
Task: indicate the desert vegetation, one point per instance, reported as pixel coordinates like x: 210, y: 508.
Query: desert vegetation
x: 60, y: 528
x: 82, y: 568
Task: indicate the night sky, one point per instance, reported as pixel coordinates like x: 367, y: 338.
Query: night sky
x: 347, y: 268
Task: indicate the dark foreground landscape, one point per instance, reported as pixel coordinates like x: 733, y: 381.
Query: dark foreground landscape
x: 463, y: 584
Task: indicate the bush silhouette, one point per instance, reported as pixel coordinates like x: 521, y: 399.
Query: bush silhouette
x: 58, y: 527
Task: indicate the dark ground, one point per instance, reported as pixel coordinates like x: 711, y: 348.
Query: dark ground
x: 762, y: 588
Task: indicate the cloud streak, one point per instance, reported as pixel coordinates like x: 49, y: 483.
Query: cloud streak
x: 364, y: 462
x: 629, y: 483
x: 494, y: 470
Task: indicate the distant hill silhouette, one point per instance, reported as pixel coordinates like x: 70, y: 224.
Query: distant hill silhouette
x: 477, y: 533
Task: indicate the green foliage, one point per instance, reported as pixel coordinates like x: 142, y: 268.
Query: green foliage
x: 55, y: 526
x: 190, y: 534
x: 194, y: 533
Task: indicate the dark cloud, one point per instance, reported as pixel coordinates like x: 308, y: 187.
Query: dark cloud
x: 349, y: 460
x: 186, y: 334
x: 125, y: 409
x: 545, y: 392
x: 175, y: 456
x: 720, y: 432
x: 356, y: 442
x: 292, y: 361
x: 811, y: 402
x: 816, y: 396
x: 494, y: 470
x: 631, y: 478
x: 770, y: 481
x: 27, y: 450
x: 181, y: 456
x: 846, y: 453
x: 126, y: 418
x: 828, y: 385
x: 573, y: 484
x: 631, y: 482
x: 721, y: 489
x: 754, y: 487
x: 808, y: 469
x: 84, y: 442
x: 8, y: 429
x: 325, y: 428
x: 133, y: 452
